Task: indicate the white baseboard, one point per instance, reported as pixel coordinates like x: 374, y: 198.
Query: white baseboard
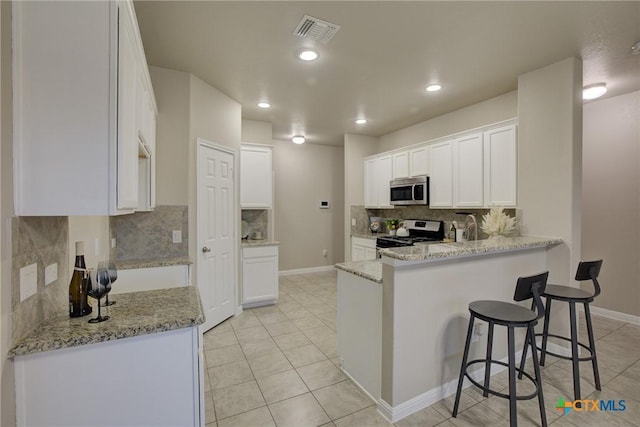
x: 615, y: 315
x: 307, y: 270
x: 395, y: 413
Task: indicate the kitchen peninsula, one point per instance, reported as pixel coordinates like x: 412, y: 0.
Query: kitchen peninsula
x: 402, y: 320
x: 141, y: 367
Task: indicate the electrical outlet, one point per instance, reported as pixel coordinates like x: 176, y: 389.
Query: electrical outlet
x: 96, y: 247
x: 51, y: 273
x: 177, y: 236
x: 28, y: 281
x: 324, y: 253
x: 113, y: 242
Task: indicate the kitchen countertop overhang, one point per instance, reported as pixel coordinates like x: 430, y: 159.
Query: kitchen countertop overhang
x: 134, y: 314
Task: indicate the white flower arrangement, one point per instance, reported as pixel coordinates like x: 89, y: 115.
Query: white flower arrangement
x: 497, y: 223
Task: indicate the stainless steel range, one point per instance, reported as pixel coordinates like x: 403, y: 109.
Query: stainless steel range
x: 420, y: 230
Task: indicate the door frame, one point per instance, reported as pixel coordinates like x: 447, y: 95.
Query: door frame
x: 201, y: 142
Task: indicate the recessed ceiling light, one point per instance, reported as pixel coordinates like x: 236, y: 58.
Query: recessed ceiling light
x: 433, y: 88
x: 594, y: 91
x: 264, y: 105
x: 361, y: 121
x: 298, y: 139
x: 308, y: 54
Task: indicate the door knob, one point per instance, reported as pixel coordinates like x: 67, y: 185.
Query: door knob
x: 205, y: 250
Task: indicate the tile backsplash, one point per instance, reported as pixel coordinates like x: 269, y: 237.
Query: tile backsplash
x: 149, y: 235
x: 258, y: 220
x: 43, y: 241
x: 361, y: 215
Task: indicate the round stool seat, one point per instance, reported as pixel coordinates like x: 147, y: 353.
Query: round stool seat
x: 566, y: 293
x: 502, y: 312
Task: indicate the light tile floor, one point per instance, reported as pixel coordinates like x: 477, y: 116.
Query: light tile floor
x: 277, y: 366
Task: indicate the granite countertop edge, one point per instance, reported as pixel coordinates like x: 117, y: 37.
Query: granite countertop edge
x: 369, y: 269
x: 256, y: 243
x: 439, y: 251
x: 369, y: 235
x: 150, y: 263
x: 125, y: 322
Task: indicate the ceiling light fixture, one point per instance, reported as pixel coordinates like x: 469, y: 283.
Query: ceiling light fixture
x: 264, y: 105
x: 433, y: 88
x: 298, y: 139
x: 361, y: 121
x: 308, y: 54
x: 594, y: 91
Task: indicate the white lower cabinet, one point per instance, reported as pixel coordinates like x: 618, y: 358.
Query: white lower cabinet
x: 362, y: 249
x: 259, y: 275
x: 148, y: 380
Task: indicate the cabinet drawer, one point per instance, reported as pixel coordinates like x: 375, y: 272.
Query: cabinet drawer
x: 260, y: 251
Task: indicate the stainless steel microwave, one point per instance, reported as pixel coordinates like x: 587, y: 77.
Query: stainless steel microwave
x: 410, y: 191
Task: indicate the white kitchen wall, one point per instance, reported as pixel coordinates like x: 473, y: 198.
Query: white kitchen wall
x: 611, y: 199
x: 305, y: 175
x: 492, y: 110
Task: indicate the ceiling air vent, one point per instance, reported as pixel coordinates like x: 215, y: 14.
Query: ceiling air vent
x: 316, y: 29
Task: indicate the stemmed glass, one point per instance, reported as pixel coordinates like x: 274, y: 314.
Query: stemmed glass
x: 99, y: 286
x: 113, y: 276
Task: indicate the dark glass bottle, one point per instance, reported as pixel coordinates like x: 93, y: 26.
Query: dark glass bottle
x: 79, y: 285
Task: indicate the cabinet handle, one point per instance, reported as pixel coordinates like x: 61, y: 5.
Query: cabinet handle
x: 205, y: 250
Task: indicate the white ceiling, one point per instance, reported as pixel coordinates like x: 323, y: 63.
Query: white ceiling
x: 379, y: 63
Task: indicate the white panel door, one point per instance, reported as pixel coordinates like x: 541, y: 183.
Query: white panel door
x: 467, y: 171
x: 419, y: 161
x: 401, y: 165
x: 216, y: 236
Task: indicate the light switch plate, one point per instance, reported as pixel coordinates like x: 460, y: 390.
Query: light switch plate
x: 113, y: 242
x: 28, y: 281
x: 177, y: 236
x: 51, y: 273
x: 353, y: 222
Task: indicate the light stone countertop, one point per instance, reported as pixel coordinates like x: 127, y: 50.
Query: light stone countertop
x: 440, y: 251
x: 369, y: 235
x: 150, y: 263
x: 134, y: 314
x: 250, y: 243
x: 369, y: 269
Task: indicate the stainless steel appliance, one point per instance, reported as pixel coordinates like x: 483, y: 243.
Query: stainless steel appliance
x: 420, y: 231
x: 409, y: 191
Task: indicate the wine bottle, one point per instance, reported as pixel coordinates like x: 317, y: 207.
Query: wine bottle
x: 79, y: 285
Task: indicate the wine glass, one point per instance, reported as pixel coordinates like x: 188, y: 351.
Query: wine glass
x: 113, y: 276
x: 98, y: 287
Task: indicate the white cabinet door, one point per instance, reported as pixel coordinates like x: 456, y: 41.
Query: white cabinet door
x: 369, y: 253
x: 362, y: 249
x: 401, y: 165
x: 467, y: 171
x: 385, y: 175
x: 256, y: 177
x: 419, y: 161
x: 371, y: 183
x: 441, y: 175
x: 259, y: 275
x: 357, y: 252
x: 500, y: 167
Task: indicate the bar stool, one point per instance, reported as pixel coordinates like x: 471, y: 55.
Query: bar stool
x: 512, y: 316
x: 586, y: 271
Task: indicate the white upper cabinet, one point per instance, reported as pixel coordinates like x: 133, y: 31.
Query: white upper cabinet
x: 419, y: 161
x: 78, y: 67
x: 401, y: 165
x: 500, y: 167
x: 468, y: 171
x: 256, y: 177
x: 378, y: 173
x: 441, y: 175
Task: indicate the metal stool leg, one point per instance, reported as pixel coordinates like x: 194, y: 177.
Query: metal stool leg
x: 487, y: 366
x: 463, y: 366
x: 574, y: 351
x: 545, y: 331
x: 525, y: 347
x: 536, y: 370
x: 513, y: 412
x: 592, y: 345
